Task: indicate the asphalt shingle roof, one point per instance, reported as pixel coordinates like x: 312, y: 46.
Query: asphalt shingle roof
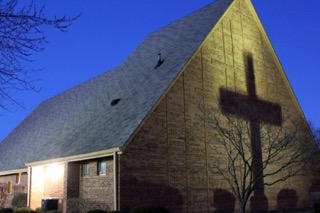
x: 82, y: 120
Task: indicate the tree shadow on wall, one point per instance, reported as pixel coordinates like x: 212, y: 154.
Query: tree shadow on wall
x: 315, y: 192
x: 83, y: 205
x: 137, y: 193
x: 20, y: 200
x: 287, y: 199
x: 223, y: 201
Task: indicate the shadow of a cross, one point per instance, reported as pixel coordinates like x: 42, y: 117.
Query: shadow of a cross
x: 255, y: 110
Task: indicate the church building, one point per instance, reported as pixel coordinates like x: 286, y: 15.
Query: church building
x: 140, y: 134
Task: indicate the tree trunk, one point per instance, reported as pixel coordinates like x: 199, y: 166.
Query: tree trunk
x: 242, y: 207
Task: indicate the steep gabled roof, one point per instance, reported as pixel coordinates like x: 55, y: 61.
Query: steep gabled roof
x: 82, y: 119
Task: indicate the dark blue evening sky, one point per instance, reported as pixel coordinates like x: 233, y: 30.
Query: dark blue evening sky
x: 109, y: 30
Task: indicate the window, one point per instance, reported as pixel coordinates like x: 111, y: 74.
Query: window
x: 102, y: 167
x: 85, y: 169
x: 1, y: 193
x: 9, y: 186
x: 18, y: 177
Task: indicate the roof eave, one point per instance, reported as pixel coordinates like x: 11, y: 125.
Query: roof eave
x: 11, y: 172
x: 74, y: 158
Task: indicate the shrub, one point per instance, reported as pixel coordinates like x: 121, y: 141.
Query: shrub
x: 97, y: 211
x: 38, y: 210
x: 53, y: 211
x: 6, y: 210
x: 24, y: 210
x: 149, y: 209
x: 316, y: 208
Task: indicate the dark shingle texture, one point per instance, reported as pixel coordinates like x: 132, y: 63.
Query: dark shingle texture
x: 82, y: 120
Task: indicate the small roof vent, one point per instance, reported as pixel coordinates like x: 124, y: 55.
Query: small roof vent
x: 160, y: 61
x: 115, y: 101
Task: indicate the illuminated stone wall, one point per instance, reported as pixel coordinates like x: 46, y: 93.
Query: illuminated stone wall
x: 168, y: 161
x: 46, y: 182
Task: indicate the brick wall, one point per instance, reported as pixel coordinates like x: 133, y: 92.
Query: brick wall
x: 167, y: 163
x: 18, y: 196
x: 93, y: 191
x: 71, y: 187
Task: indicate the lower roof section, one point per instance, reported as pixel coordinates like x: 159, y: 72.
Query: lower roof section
x: 82, y: 157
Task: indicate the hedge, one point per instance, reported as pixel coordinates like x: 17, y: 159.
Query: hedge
x: 149, y: 209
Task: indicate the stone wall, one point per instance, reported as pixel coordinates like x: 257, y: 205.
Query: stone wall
x: 168, y: 162
x: 18, y: 195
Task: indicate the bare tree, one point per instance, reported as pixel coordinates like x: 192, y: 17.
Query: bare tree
x: 317, y: 136
x: 22, y: 34
x: 316, y: 133
x: 249, y: 158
